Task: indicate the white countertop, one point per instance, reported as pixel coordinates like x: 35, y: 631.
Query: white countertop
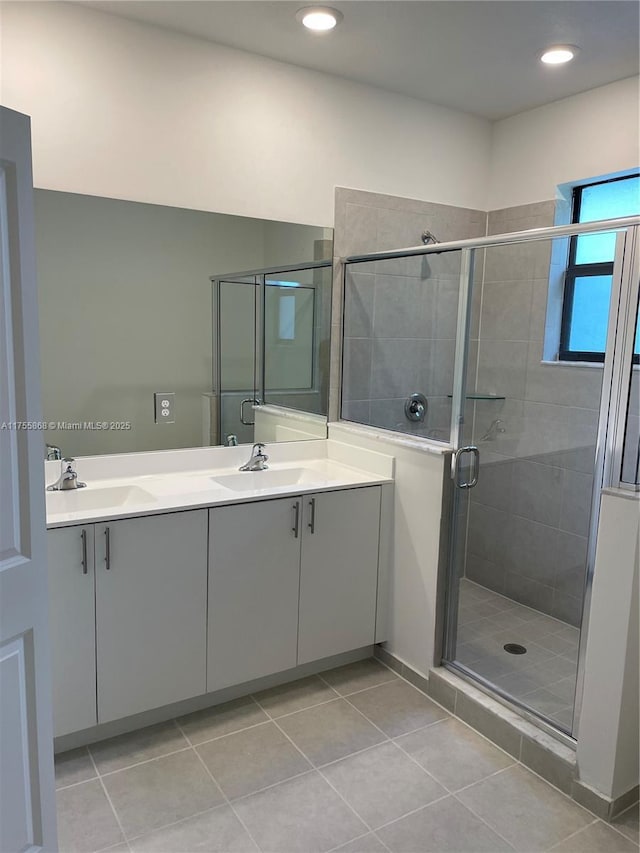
x: 141, y: 484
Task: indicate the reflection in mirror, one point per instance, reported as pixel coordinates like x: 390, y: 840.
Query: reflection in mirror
x: 273, y: 385
x: 125, y: 313
x: 297, y: 332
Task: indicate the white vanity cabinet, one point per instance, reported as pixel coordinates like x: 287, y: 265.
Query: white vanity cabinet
x: 132, y: 627
x: 338, y: 572
x: 151, y: 612
x: 72, y: 627
x: 291, y: 581
x: 254, y: 576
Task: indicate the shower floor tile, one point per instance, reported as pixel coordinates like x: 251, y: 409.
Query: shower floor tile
x: 544, y: 677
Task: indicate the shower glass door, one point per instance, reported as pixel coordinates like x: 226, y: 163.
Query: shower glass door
x: 521, y: 543
x: 237, y: 368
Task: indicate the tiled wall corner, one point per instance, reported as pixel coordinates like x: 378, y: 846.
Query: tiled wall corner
x: 528, y: 519
x: 399, y: 316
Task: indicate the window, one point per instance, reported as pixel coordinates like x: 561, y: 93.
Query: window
x: 588, y: 278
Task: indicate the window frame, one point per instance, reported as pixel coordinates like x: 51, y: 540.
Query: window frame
x: 575, y: 271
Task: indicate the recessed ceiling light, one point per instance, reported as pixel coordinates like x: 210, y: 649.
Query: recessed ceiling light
x: 320, y: 19
x: 558, y: 54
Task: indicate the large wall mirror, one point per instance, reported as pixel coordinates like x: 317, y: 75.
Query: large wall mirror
x: 140, y: 299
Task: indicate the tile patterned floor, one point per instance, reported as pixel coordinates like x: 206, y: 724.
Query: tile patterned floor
x: 545, y: 677
x: 354, y: 760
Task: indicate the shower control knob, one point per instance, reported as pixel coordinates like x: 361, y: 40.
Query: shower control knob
x: 415, y: 407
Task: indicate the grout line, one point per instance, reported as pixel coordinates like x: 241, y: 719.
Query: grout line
x: 350, y: 755
x: 573, y: 835
x: 113, y: 847
x: 299, y: 710
x: 532, y: 643
x: 488, y: 776
x: 228, y: 734
x: 362, y: 689
x: 615, y: 828
x: 296, y: 747
x: 164, y: 826
x: 106, y: 793
x: 225, y: 798
x: 421, y: 728
x: 482, y: 820
x: 517, y: 761
x: 362, y: 714
x: 315, y: 769
x: 457, y: 790
x: 495, y: 594
x: 318, y: 768
x: 430, y: 698
x: 145, y: 761
x: 514, y: 762
x: 413, y: 811
x: 558, y: 790
x: 337, y: 696
x: 453, y: 716
x: 306, y: 772
x: 358, y: 838
x: 391, y: 740
x: 75, y: 784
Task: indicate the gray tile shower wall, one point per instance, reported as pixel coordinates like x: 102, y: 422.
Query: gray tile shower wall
x: 399, y: 316
x: 529, y: 514
x: 528, y: 517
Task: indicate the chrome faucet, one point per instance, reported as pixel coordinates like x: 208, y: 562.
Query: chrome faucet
x: 68, y: 478
x: 257, y: 460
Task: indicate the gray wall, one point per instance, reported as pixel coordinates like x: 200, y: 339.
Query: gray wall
x: 125, y: 310
x: 400, y: 316
x: 527, y: 520
x: 529, y: 515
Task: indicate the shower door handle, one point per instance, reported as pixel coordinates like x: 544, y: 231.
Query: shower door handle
x: 242, y: 405
x: 475, y: 467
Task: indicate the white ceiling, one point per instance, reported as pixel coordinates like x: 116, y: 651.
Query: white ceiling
x: 479, y: 56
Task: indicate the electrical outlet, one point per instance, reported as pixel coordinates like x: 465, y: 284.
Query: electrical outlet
x: 164, y: 405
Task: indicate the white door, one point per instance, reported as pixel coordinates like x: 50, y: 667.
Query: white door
x: 27, y: 790
x: 254, y: 574
x: 151, y: 612
x: 339, y: 572
x: 72, y: 617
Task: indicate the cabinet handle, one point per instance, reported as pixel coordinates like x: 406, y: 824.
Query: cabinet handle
x: 107, y: 548
x: 85, y: 565
x: 296, y: 519
x: 312, y: 516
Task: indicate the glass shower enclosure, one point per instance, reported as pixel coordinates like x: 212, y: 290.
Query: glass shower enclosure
x: 270, y: 345
x: 458, y: 343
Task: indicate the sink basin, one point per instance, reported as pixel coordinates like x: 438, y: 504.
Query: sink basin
x: 251, y: 481
x: 108, y: 497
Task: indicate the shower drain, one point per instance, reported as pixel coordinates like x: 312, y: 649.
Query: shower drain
x: 515, y: 649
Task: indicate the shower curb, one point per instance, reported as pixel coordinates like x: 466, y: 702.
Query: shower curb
x: 536, y: 749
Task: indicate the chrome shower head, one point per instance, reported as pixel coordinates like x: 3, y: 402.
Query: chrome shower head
x: 429, y: 238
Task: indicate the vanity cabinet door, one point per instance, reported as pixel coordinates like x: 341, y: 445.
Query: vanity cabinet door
x: 151, y: 611
x: 254, y: 572
x: 339, y: 572
x: 72, y: 627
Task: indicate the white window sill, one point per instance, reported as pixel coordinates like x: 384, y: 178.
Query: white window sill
x: 592, y: 364
x: 557, y: 363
